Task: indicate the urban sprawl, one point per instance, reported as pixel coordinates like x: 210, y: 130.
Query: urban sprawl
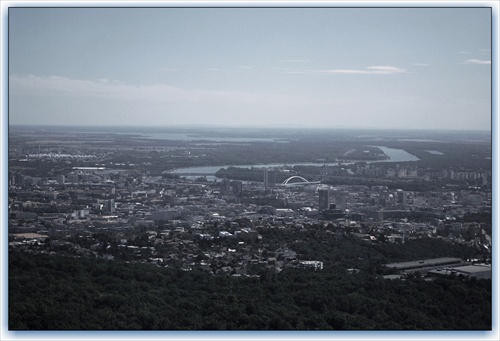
x: 120, y: 211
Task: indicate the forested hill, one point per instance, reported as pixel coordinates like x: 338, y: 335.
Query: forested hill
x: 59, y: 293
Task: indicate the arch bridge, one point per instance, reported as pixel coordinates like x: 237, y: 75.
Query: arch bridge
x: 304, y: 180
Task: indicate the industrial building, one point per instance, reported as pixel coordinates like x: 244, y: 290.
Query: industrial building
x: 482, y: 271
x: 426, y: 264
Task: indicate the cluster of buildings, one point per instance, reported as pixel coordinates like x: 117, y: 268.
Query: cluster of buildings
x: 390, y: 171
x: 219, y: 226
x: 126, y: 214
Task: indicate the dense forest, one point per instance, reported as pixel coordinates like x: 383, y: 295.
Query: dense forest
x: 60, y: 293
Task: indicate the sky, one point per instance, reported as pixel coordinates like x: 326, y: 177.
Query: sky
x: 382, y: 68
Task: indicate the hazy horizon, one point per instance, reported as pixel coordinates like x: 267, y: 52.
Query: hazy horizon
x: 248, y: 127
x: 335, y: 68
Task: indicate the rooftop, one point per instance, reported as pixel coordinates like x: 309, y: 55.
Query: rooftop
x: 424, y: 263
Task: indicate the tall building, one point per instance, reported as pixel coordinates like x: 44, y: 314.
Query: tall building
x: 237, y: 190
x: 402, y: 196
x: 324, y: 199
x: 225, y: 186
x: 340, y: 201
x: 269, y: 178
x: 109, y: 206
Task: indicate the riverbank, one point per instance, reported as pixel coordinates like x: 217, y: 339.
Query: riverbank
x: 394, y: 155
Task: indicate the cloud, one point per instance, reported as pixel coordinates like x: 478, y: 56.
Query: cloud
x: 103, y: 88
x: 98, y: 88
x: 420, y: 64
x: 33, y: 85
x: 477, y: 62
x: 385, y: 69
x: 370, y: 70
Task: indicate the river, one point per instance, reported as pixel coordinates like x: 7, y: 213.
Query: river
x: 395, y: 155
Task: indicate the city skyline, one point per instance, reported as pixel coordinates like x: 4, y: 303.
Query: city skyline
x: 394, y: 68
x: 250, y: 169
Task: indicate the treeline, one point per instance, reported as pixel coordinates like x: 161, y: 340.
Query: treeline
x: 58, y: 293
x: 469, y: 155
x: 249, y: 153
x: 243, y: 174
